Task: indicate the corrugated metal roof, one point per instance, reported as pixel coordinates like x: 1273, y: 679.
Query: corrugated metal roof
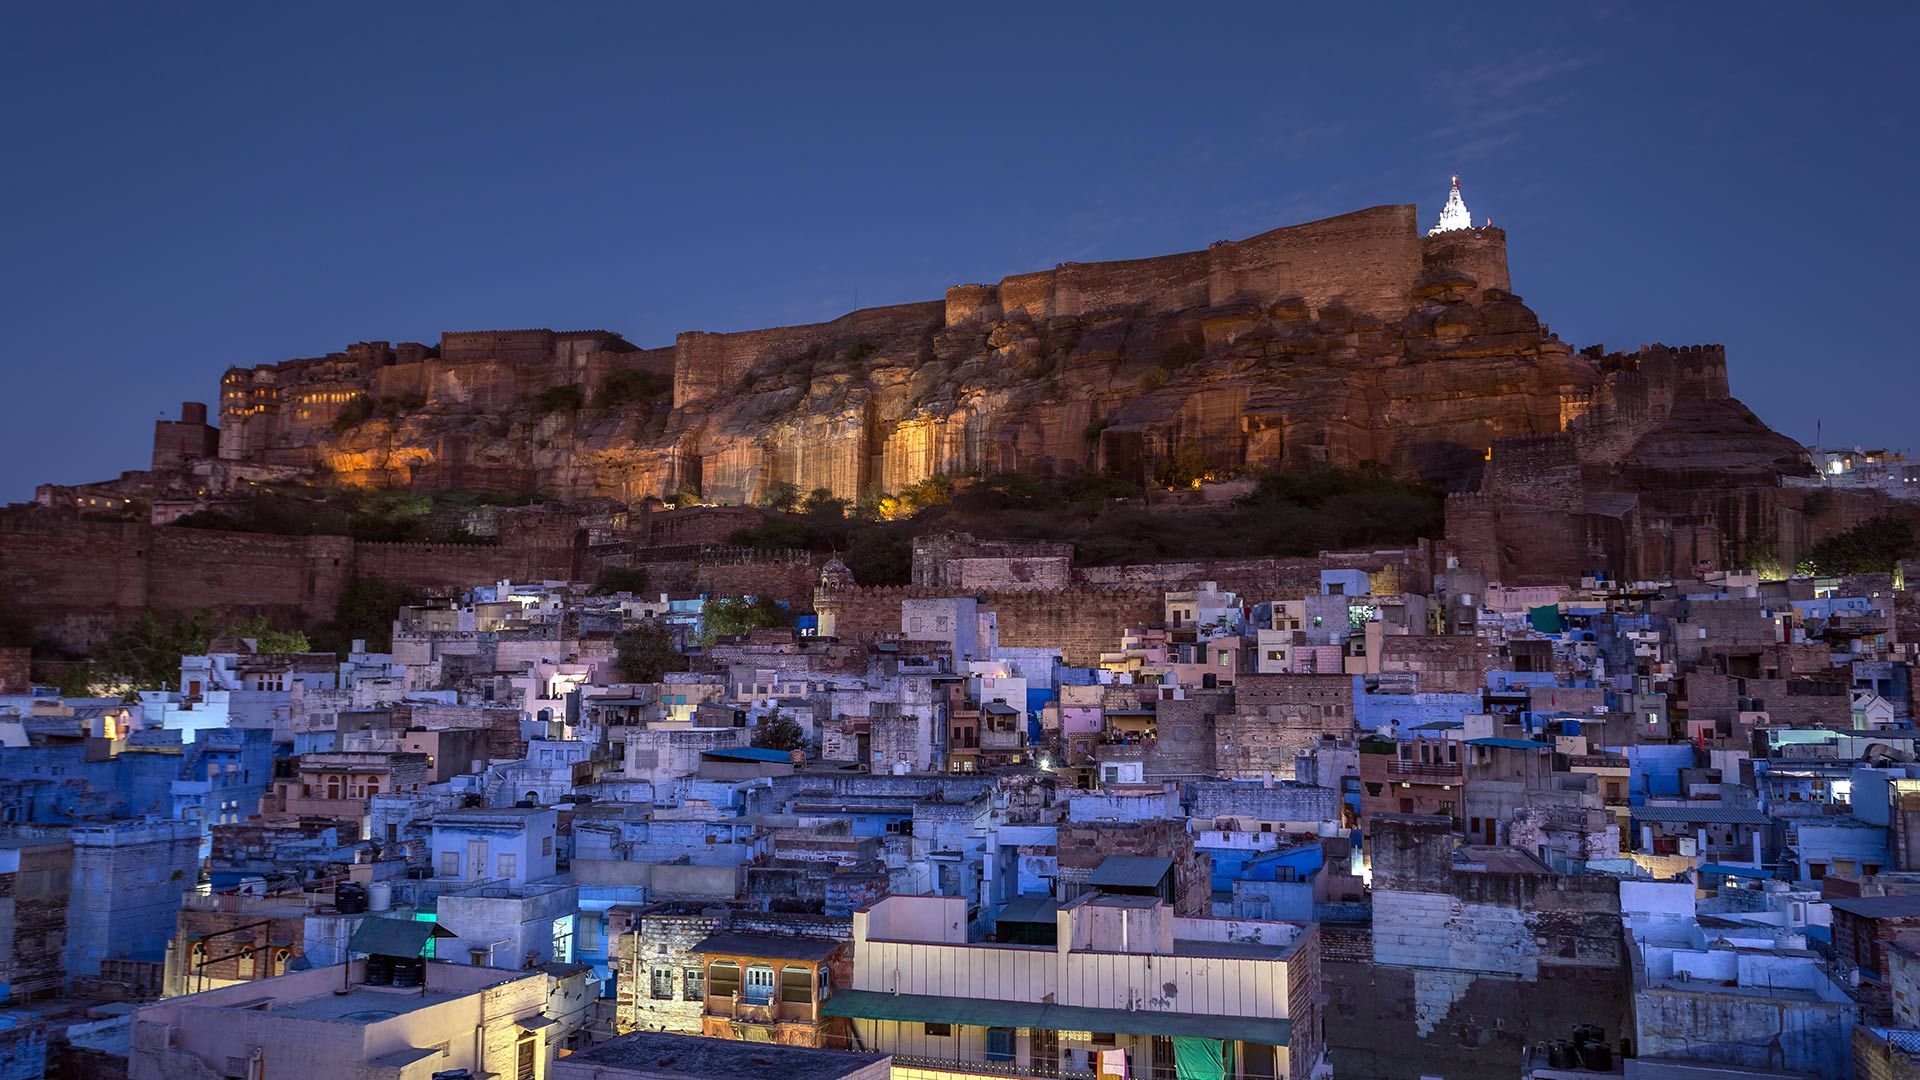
x: 1707, y: 813
x: 978, y: 1012
x: 1130, y: 871
x: 395, y: 937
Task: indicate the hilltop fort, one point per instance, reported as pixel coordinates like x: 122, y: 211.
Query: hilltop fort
x: 1357, y: 339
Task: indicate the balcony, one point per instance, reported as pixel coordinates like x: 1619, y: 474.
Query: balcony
x: 1422, y: 772
x: 761, y: 1010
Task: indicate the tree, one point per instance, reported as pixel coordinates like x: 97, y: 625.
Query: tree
x: 1185, y: 467
x: 365, y: 611
x: 1875, y: 546
x: 739, y: 615
x: 782, y: 495
x: 619, y: 579
x: 146, y: 653
x: 820, y: 503
x: 645, y: 653
x: 878, y: 556
x: 779, y: 732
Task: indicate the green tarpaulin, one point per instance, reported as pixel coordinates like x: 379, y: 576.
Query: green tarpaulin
x: 1200, y: 1059
x: 1545, y: 618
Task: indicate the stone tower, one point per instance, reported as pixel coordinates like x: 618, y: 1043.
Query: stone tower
x: 835, y: 582
x: 1453, y: 216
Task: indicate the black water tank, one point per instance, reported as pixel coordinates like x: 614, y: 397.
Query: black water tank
x: 524, y: 804
x: 453, y: 1074
x: 379, y: 970
x: 1560, y: 1054
x: 1596, y: 1056
x: 350, y: 898
x: 408, y: 971
x: 472, y: 801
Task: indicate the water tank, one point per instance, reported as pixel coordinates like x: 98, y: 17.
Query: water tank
x: 408, y: 971
x: 1560, y: 1054
x: 379, y: 896
x: 453, y: 1074
x: 379, y: 970
x: 1596, y: 1057
x: 524, y: 804
x: 350, y: 898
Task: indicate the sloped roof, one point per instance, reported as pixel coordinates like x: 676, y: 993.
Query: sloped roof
x: 1130, y: 871
x: 1708, y: 813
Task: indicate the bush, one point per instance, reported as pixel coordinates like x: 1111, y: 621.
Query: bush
x: 933, y: 491
x: 628, y: 387
x: 1185, y: 467
x: 1154, y: 379
x: 782, y: 495
x: 1875, y: 546
x: 862, y: 349
x: 365, y: 610
x: 879, y: 556
x: 732, y: 617
x: 357, y: 410
x: 820, y: 503
x: 775, y: 534
x: 1091, y: 432
x: 779, y: 732
x: 644, y: 654
x: 563, y: 398
x: 688, y: 495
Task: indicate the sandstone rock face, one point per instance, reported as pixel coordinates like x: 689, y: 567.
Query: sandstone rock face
x: 1338, y: 342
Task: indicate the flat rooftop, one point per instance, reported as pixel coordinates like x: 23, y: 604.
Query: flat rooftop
x: 693, y: 1057
x: 365, y: 1004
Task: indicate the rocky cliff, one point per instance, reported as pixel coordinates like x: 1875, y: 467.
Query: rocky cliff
x: 1338, y: 342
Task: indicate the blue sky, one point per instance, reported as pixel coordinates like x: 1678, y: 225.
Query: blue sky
x: 194, y: 186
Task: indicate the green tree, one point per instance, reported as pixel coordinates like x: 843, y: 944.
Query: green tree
x: 821, y: 504
x: 933, y: 491
x: 779, y: 732
x: 645, y: 653
x: 782, y: 495
x: 266, y: 639
x: 1184, y: 467
x: 619, y: 579
x: 879, y: 556
x: 688, y: 495
x: 365, y: 610
x: 1875, y: 546
x: 146, y: 653
x: 739, y: 615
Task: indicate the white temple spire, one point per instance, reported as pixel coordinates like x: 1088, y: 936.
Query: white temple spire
x: 1453, y: 216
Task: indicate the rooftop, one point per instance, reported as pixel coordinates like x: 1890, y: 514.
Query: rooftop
x: 1130, y: 871
x: 1879, y: 907
x: 661, y: 1056
x: 366, y: 1004
x: 770, y: 946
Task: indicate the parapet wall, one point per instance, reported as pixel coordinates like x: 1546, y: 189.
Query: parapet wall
x: 707, y: 364
x: 1081, y: 622
x: 1368, y: 259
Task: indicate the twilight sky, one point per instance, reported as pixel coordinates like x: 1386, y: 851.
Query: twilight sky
x: 194, y: 186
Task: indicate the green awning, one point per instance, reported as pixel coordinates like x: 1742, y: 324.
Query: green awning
x: 395, y: 937
x: 980, y: 1012
x: 1545, y: 618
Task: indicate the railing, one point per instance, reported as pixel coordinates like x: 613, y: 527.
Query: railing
x: 1438, y: 773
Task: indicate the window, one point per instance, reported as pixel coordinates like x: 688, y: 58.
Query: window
x: 693, y: 991
x: 449, y: 864
x: 759, y: 986
x: 723, y: 978
x: 999, y: 1044
x: 546, y: 845
x: 940, y: 1031
x: 796, y: 985
x: 507, y: 865
x: 662, y: 984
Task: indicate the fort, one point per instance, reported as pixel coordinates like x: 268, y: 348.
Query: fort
x: 1348, y: 341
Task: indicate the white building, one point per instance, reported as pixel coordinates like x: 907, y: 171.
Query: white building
x: 512, y: 845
